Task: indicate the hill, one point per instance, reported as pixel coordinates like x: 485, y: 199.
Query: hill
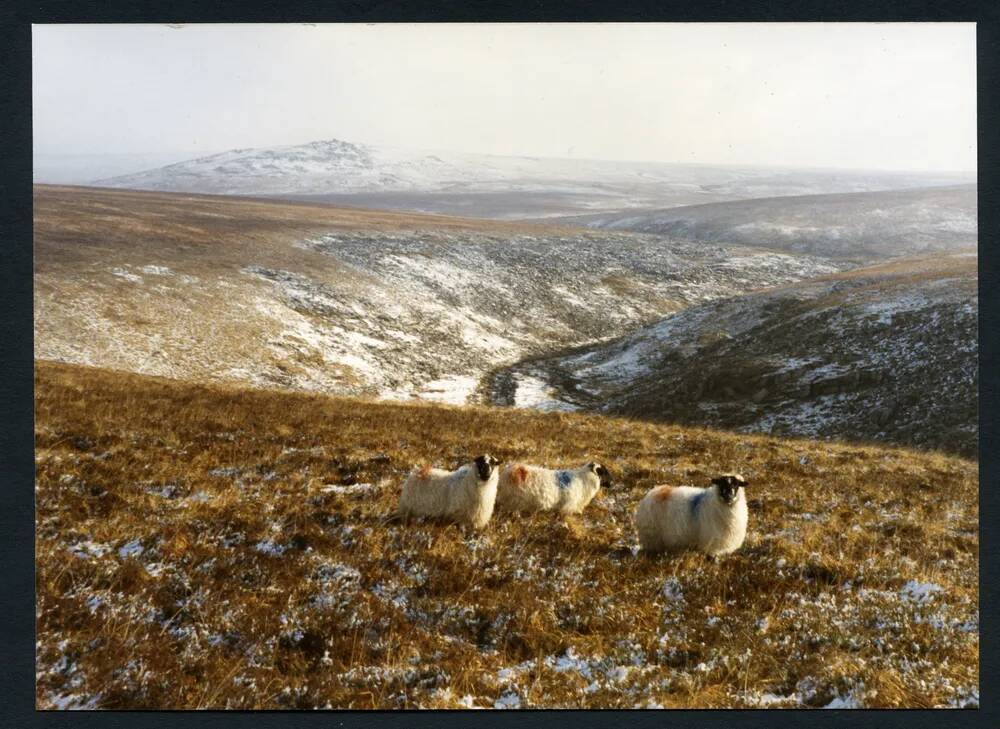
x: 348, y: 301
x: 864, y: 226
x: 212, y: 547
x: 490, y: 185
x: 884, y: 353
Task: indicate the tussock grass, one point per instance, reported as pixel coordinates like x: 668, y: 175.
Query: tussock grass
x: 204, y: 546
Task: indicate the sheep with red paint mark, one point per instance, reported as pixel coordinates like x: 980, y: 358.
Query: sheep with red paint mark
x: 713, y: 519
x: 466, y: 495
x: 528, y: 489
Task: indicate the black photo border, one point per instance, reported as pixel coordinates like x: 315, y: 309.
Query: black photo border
x: 17, y: 615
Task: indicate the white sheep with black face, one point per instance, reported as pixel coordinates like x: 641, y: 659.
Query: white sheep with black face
x: 713, y: 519
x: 465, y: 496
x: 532, y: 488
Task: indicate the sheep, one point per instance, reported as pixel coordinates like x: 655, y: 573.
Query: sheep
x: 712, y: 519
x: 465, y: 496
x: 532, y: 488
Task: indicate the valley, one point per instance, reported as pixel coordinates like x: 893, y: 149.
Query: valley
x: 847, y: 315
x: 884, y: 353
x: 388, y: 305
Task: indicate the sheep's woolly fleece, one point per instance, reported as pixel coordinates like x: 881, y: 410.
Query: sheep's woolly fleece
x: 462, y: 496
x: 669, y: 518
x: 532, y: 488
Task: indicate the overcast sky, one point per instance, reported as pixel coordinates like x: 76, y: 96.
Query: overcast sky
x: 879, y: 96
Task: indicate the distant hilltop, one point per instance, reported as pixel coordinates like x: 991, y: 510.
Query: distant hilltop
x: 338, y: 167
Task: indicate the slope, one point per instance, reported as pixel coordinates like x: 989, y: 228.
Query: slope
x: 865, y: 226
x: 348, y: 301
x: 211, y: 547
x: 884, y: 353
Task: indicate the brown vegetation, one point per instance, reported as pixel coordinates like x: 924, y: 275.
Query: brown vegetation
x: 203, y: 546
x: 71, y: 224
x: 884, y: 354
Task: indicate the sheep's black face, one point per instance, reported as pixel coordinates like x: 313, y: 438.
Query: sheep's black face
x: 602, y: 473
x: 485, y: 465
x: 729, y: 487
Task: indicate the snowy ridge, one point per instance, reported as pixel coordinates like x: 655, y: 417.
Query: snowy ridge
x: 335, y: 167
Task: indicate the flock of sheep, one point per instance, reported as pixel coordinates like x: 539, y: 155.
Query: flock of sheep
x: 712, y: 519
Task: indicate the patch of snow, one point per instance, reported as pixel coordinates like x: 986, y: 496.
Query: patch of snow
x: 850, y: 701
x: 356, y: 488
x: 453, y: 390
x: 618, y: 673
x: 509, y: 700
x: 87, y: 549
x: 967, y: 699
x: 672, y: 590
x: 73, y: 702
x: 570, y: 661
x: 155, y: 569
x: 127, y: 275
x: 225, y: 472
x: 769, y: 699
x: 132, y: 549
x: 533, y: 392
x: 919, y: 592
x: 266, y: 546
x: 156, y: 270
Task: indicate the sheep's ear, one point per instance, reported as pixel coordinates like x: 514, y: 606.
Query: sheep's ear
x: 719, y: 481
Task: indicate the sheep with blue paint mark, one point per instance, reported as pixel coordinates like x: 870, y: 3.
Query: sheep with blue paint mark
x: 527, y: 488
x: 713, y: 519
x: 465, y: 496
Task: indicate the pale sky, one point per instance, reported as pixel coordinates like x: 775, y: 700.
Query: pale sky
x: 875, y: 96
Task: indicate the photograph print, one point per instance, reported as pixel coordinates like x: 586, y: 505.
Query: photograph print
x: 506, y: 366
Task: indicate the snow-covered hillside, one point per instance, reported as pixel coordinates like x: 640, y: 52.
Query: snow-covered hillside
x: 451, y: 182
x: 881, y: 353
x: 223, y: 292
x: 862, y: 226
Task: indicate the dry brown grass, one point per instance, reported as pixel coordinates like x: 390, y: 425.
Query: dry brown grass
x: 73, y: 224
x: 204, y: 312
x: 960, y: 263
x: 172, y: 495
